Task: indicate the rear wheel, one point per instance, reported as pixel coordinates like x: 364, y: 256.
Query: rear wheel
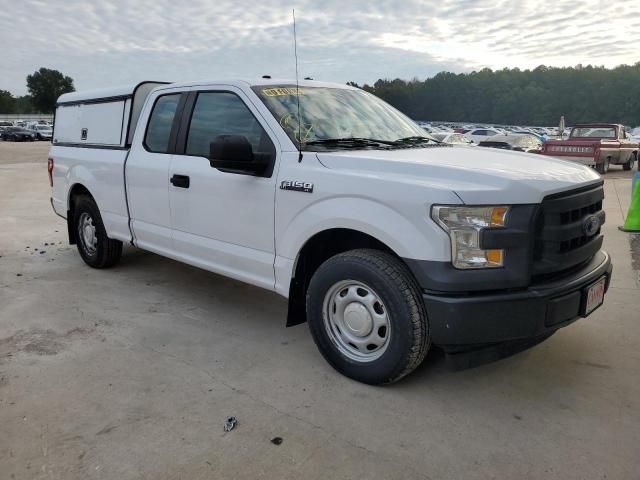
x: 603, y: 167
x: 629, y: 165
x: 96, y: 249
x: 367, y: 317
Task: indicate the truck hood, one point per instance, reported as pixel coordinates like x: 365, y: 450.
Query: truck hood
x: 476, y: 175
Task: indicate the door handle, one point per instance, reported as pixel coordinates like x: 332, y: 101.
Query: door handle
x: 180, y: 181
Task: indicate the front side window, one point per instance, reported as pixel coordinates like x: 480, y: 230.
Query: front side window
x: 160, y: 122
x: 328, y: 114
x: 223, y: 113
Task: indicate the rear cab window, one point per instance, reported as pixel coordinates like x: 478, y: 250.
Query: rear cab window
x: 158, y: 132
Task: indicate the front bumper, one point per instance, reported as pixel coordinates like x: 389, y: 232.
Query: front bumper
x: 475, y: 319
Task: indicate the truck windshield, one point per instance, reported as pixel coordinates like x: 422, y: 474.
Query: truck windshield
x: 336, y: 118
x: 591, y: 132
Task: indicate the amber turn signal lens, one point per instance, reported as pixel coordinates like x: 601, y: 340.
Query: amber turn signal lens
x: 498, y: 216
x: 494, y: 256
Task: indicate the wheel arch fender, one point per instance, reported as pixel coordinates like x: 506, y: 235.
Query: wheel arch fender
x: 310, y: 242
x: 368, y: 216
x: 75, y: 189
x: 79, y: 178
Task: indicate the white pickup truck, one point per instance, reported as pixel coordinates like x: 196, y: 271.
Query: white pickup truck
x: 384, y: 240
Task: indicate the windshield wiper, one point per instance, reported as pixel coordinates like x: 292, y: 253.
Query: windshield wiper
x: 415, y: 140
x: 354, y: 142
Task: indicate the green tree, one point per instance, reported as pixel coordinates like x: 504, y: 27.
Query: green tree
x: 24, y: 105
x: 7, y: 102
x: 45, y: 86
x: 513, y: 96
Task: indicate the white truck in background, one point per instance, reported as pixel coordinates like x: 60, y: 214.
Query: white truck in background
x: 385, y: 240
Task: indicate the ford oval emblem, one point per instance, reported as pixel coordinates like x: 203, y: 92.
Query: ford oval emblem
x: 591, y: 225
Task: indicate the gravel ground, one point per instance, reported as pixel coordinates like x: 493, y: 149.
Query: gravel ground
x: 23, y: 152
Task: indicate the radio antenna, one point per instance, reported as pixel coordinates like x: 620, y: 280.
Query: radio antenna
x: 295, y: 53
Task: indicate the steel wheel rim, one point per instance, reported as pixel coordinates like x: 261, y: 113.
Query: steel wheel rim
x: 87, y: 232
x: 356, y: 320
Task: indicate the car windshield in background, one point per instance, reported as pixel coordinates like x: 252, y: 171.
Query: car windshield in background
x: 590, y: 132
x: 335, y: 118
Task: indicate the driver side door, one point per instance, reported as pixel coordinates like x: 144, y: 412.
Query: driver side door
x: 222, y: 221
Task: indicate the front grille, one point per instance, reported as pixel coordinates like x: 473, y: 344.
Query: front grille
x: 562, y: 238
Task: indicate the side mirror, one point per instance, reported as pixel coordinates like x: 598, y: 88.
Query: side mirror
x: 234, y: 154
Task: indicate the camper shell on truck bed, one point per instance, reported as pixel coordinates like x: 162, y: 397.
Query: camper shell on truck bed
x: 104, y: 118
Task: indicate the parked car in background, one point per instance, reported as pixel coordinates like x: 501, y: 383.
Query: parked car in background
x: 18, y: 134
x: 479, y: 134
x: 520, y: 143
x: 42, y: 132
x: 452, y: 138
x: 598, y: 145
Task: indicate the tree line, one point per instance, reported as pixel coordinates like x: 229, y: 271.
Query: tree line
x: 513, y: 96
x: 44, y: 86
x: 509, y: 96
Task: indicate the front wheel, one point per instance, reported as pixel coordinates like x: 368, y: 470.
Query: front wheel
x: 96, y: 249
x: 367, y: 317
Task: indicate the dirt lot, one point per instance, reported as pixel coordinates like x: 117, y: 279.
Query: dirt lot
x: 129, y: 373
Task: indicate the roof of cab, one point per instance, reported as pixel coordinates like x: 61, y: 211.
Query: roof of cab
x: 126, y: 91
x: 258, y: 82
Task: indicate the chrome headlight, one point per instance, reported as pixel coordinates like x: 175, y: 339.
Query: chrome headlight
x: 463, y: 224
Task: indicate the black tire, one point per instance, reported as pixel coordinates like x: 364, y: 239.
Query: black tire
x: 104, y: 252
x: 408, y: 332
x: 629, y: 165
x: 603, y: 167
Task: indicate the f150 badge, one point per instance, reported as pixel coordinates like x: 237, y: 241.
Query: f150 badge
x: 297, y: 186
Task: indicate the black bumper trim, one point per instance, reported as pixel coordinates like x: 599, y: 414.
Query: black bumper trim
x: 539, y: 310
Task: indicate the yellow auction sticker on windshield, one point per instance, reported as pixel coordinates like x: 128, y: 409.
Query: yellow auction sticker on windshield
x: 281, y: 91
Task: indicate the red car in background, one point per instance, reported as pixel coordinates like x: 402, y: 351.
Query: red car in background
x: 598, y: 145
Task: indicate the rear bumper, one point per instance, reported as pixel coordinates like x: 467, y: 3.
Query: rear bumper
x: 478, y: 319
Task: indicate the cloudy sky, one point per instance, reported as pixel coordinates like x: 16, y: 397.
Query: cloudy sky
x: 112, y: 42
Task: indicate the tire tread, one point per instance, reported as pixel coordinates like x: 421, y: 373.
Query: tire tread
x: 111, y: 249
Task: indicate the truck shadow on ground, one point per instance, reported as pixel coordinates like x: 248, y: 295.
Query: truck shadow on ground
x: 251, y: 307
